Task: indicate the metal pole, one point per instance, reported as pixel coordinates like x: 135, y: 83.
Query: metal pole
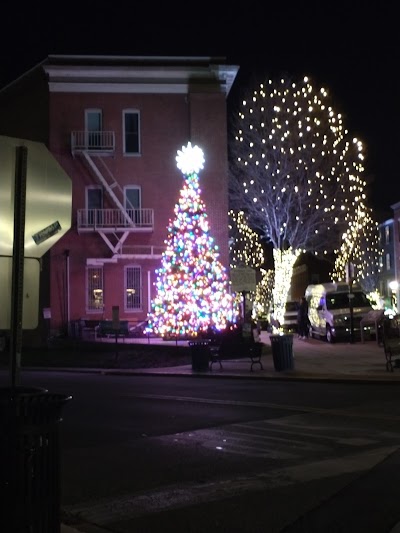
x: 351, y: 296
x: 21, y: 157
x: 68, y: 328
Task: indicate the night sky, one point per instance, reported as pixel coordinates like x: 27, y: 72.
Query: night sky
x: 350, y: 48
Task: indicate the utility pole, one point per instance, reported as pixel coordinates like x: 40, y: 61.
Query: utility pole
x: 350, y: 276
x: 17, y: 284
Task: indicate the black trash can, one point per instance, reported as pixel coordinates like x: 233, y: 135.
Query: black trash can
x: 200, y: 352
x: 30, y: 459
x: 282, y: 351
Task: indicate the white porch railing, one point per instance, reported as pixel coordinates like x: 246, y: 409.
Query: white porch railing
x: 115, y: 219
x: 96, y: 141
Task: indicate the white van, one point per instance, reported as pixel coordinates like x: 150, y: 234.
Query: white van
x: 329, y: 311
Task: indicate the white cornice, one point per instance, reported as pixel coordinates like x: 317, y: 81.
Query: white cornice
x: 140, y: 79
x: 127, y: 88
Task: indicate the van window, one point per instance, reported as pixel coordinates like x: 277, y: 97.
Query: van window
x: 341, y: 300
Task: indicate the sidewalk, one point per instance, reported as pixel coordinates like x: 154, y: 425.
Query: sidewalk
x: 313, y: 360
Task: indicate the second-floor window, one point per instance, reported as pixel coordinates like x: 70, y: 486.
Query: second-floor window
x: 132, y: 202
x: 94, y: 205
x: 388, y: 264
x: 131, y: 124
x: 93, y: 128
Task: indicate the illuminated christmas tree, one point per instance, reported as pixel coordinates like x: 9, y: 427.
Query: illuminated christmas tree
x: 192, y: 285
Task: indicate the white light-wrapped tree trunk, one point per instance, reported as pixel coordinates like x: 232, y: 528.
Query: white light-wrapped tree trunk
x: 284, y: 262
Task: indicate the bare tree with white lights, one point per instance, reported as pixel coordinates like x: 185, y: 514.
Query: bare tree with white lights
x: 296, y: 173
x: 246, y: 250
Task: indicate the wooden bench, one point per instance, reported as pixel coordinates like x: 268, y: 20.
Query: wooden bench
x: 106, y: 329
x: 391, y: 342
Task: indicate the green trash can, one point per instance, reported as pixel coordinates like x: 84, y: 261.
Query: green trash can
x: 282, y: 351
x: 200, y: 351
x: 29, y: 459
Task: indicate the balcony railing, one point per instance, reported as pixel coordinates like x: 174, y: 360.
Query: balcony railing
x: 115, y: 220
x: 142, y: 250
x: 94, y: 141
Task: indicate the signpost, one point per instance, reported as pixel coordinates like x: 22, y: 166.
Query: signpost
x: 35, y: 212
x: 243, y: 280
x: 349, y: 279
x: 18, y: 264
x: 116, y: 324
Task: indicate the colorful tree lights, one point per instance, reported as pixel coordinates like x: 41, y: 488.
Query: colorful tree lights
x: 192, y: 285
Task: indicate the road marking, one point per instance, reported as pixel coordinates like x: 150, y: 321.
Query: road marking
x: 105, y: 511
x: 267, y: 405
x: 269, y: 439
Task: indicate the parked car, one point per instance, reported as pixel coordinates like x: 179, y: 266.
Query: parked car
x: 329, y: 310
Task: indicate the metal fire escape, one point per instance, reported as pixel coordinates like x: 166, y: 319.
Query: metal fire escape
x: 113, y: 224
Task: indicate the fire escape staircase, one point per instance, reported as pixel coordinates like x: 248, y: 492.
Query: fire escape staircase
x: 110, y: 185
x: 113, y: 225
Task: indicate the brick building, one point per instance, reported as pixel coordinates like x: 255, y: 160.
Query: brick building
x: 115, y: 124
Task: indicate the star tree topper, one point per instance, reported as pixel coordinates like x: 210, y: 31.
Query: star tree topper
x: 190, y: 159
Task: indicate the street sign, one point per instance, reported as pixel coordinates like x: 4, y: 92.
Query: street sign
x: 243, y: 279
x: 47, y: 218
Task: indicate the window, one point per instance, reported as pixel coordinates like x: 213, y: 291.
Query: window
x: 133, y: 288
x: 94, y: 205
x: 93, y: 128
x: 131, y: 132
x: 94, y: 291
x: 340, y: 300
x: 132, y: 202
x: 387, y: 234
x: 387, y: 261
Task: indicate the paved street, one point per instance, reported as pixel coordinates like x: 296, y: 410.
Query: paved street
x: 305, y: 431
